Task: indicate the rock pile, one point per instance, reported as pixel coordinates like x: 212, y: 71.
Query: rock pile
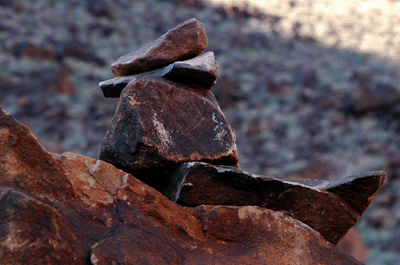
x: 195, y: 207
x: 167, y: 115
x: 169, y: 132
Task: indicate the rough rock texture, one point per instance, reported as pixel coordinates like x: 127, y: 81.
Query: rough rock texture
x: 201, y: 70
x: 159, y: 124
x: 71, y: 209
x: 185, y: 41
x: 32, y: 232
x: 331, y: 208
x: 248, y: 235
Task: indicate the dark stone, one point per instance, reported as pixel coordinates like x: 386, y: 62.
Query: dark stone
x: 331, y: 208
x: 160, y: 124
x: 201, y: 70
x: 183, y: 42
x: 112, y: 88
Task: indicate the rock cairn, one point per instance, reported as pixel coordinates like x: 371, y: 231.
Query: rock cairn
x: 199, y: 207
x: 169, y: 131
x: 167, y: 114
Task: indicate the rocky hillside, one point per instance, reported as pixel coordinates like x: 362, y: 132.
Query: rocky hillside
x: 303, y: 103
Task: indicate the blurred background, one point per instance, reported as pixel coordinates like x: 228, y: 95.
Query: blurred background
x: 311, y: 87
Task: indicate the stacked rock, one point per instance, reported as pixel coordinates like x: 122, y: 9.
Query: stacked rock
x: 167, y: 114
x: 169, y: 131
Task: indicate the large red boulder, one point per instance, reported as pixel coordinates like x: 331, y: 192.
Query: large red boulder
x: 71, y: 209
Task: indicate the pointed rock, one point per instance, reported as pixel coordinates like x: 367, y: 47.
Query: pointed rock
x: 366, y: 185
x: 185, y: 41
x: 19, y: 149
x: 201, y: 70
x: 324, y: 206
x: 160, y: 124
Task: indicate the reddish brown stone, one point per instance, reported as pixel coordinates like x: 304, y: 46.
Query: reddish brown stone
x: 364, y: 185
x: 247, y: 235
x: 185, y: 41
x: 33, y: 232
x: 159, y: 124
x: 24, y: 162
x: 71, y: 209
x: 331, y: 208
x: 28, y: 169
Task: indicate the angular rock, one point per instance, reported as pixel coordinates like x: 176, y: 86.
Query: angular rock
x: 365, y: 185
x: 185, y: 41
x: 33, y: 232
x: 160, y: 124
x: 25, y: 162
x: 112, y: 88
x: 247, y: 235
x: 330, y: 208
x: 97, y: 214
x: 201, y: 70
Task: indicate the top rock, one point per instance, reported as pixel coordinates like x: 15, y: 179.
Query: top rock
x: 185, y: 41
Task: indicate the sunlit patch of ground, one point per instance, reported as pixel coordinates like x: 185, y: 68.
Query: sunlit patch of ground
x: 365, y: 26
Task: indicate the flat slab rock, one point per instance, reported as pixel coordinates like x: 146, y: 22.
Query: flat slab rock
x: 201, y: 70
x: 183, y: 42
x: 330, y: 208
x: 72, y: 209
x: 160, y: 124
